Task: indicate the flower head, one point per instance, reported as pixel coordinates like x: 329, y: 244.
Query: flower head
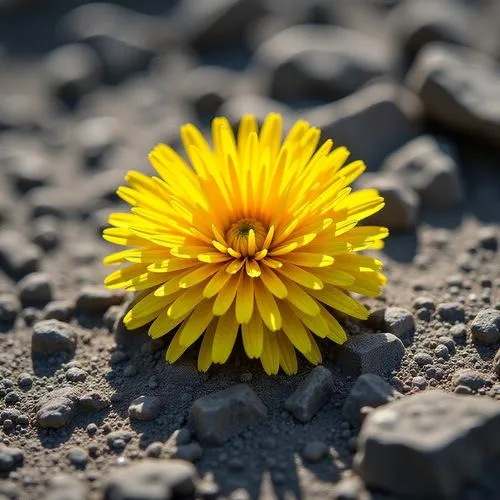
x: 253, y: 237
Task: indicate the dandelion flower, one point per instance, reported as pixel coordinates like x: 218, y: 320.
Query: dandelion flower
x: 253, y: 236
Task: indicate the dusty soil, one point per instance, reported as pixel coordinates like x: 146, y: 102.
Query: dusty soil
x: 61, y: 159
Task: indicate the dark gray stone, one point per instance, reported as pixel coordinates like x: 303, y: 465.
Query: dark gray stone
x: 451, y: 312
x: 96, y: 138
x: 331, y: 62
x: 46, y: 232
x: 422, y: 358
x: 472, y: 379
x: 360, y: 115
x: 485, y: 327
x: 57, y: 408
x: 10, y: 458
x: 145, y: 408
x: 9, y: 308
x: 488, y: 238
x: 28, y: 170
x: 223, y: 414
x: 96, y: 299
x: 428, y: 445
x: 18, y: 257
x: 314, y: 451
x: 458, y: 88
x: 151, y: 480
x: 427, y: 166
x: 36, y: 289
x: 190, y: 452
x: 51, y: 335
x: 61, y: 310
x: 311, y: 394
x: 395, y: 320
x: 370, y: 391
x: 78, y: 457
x: 378, y: 353
x: 75, y: 374
x: 93, y: 401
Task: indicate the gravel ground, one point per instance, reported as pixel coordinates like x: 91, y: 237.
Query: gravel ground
x: 407, y: 408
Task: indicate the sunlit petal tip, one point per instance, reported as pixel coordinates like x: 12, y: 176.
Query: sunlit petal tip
x: 250, y: 235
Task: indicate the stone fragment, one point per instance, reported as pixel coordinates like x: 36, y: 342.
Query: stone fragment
x: 62, y: 310
x: 18, y: 257
x: 10, y: 458
x: 362, y: 112
x: 72, y: 71
x: 46, y: 232
x: 401, y: 203
x: 190, y: 452
x: 35, y: 289
x: 458, y: 87
x: 96, y: 138
x: 311, y: 394
x: 395, y: 320
x: 57, y: 408
x: 221, y: 415
x: 428, y: 445
x: 378, y: 353
x: 472, y: 379
x: 75, y: 374
x: 370, y: 391
x: 315, y: 451
x: 485, y: 327
x: 429, y: 167
x: 145, y: 408
x: 496, y: 363
x: 9, y: 308
x: 422, y: 358
x: 78, y: 457
x: 152, y: 480
x: 65, y: 487
x: 51, y: 335
x: 327, y: 62
x: 96, y: 299
x: 451, y: 312
x: 488, y: 238
x: 93, y: 401
x: 28, y: 170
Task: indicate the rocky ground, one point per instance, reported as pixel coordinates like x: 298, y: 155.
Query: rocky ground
x: 408, y: 408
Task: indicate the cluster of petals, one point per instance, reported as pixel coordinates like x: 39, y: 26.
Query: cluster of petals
x: 253, y: 237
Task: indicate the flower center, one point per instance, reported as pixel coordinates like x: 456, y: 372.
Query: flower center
x: 238, y: 235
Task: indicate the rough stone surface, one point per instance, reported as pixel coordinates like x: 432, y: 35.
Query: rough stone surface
x: 145, y: 408
x: 457, y: 87
x: 96, y: 299
x: 378, y: 353
x: 428, y: 445
x: 57, y: 408
x: 429, y: 167
x: 485, y: 327
x: 221, y: 415
x: 395, y: 320
x: 52, y: 335
x: 311, y: 394
x: 152, y: 480
x: 35, y: 289
x: 370, y: 391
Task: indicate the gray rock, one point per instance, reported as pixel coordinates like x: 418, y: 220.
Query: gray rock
x: 496, y: 363
x: 221, y: 415
x: 428, y: 445
x: 485, y: 327
x: 57, y: 202
x: 190, y: 452
x: 57, y: 408
x: 472, y: 379
x: 360, y: 115
x: 422, y: 358
x: 151, y: 480
x: 46, y: 232
x: 117, y: 440
x: 451, y: 312
x: 28, y: 170
x: 65, y: 487
x: 401, y: 203
x: 311, y: 394
x: 308, y: 61
x: 96, y: 299
x: 395, y: 320
x: 9, y: 308
x: 93, y: 401
x: 458, y: 88
x: 78, y: 457
x: 35, y: 289
x: 427, y: 166
x: 75, y: 374
x: 458, y: 332
x: 18, y: 257
x: 154, y: 449
x: 62, y: 310
x: 145, y: 408
x: 314, y: 451
x: 96, y: 138
x: 370, y: 391
x: 415, y: 24
x: 72, y: 71
x: 51, y: 335
x: 215, y: 23
x: 10, y: 458
x: 488, y: 238
x: 378, y: 353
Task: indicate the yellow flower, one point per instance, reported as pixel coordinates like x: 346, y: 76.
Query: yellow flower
x: 254, y: 236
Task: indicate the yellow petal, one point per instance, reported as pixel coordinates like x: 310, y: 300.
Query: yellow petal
x: 253, y: 333
x: 186, y: 301
x: 198, y: 275
x: 244, y: 300
x: 273, y: 283
x: 226, y: 296
x: 216, y: 283
x: 308, y: 259
x: 270, y: 357
x: 225, y: 336
x: 287, y: 356
x: 267, y: 307
x: 205, y: 355
x: 197, y: 322
x: 300, y: 276
x: 337, y: 299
